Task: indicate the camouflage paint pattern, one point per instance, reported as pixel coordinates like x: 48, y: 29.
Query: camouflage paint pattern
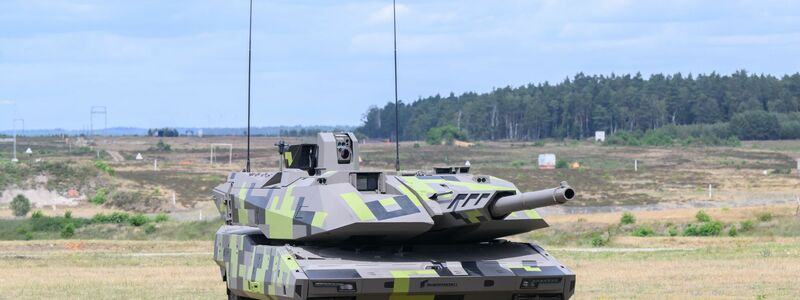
x: 307, y: 233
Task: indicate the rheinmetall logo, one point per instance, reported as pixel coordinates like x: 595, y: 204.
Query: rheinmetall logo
x: 425, y: 283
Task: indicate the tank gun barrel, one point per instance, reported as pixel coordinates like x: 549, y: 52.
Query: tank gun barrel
x: 531, y: 200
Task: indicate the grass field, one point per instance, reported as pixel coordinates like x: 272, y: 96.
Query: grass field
x: 753, y: 187
x: 708, y: 268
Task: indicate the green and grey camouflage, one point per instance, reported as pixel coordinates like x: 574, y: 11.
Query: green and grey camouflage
x: 323, y: 229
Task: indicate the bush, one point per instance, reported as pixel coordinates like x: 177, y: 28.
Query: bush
x: 100, y: 218
x: 68, y: 231
x: 150, y: 229
x: 712, y: 228
x: 790, y: 130
x: 718, y: 134
x: 118, y: 217
x: 446, y: 133
x: 702, y: 216
x: 756, y: 125
x: 562, y: 164
x: 99, y: 197
x: 747, y: 225
x: 37, y: 214
x: 539, y: 143
x: 113, y: 218
x: 644, y: 231
x: 68, y: 214
x: 598, y: 240
x: 672, y: 231
x: 623, y: 138
x: 54, y: 224
x: 161, y: 217
x: 518, y: 164
x: 138, y: 220
x: 627, y: 218
x: 163, y: 146
x: 765, y: 217
x: 733, y: 232
x: 20, y: 206
x: 103, y: 166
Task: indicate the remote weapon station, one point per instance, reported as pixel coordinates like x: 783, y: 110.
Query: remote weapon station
x: 321, y: 228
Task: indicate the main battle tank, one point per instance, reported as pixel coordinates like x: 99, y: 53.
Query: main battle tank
x: 323, y: 229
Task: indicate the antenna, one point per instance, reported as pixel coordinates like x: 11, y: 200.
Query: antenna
x: 396, y: 109
x: 249, y: 67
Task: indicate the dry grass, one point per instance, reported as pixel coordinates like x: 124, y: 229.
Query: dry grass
x: 108, y: 270
x: 710, y: 268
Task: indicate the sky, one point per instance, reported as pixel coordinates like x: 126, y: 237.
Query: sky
x: 183, y: 63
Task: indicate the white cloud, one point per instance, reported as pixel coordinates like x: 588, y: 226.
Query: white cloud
x: 7, y: 102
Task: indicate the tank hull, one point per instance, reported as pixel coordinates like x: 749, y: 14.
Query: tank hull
x: 256, y: 267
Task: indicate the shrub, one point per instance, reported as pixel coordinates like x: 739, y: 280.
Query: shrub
x: 138, y: 220
x: 747, y: 225
x: 99, y: 197
x: 113, y: 218
x: 446, y: 133
x: 518, y: 164
x: 37, y: 214
x: 672, y: 231
x: 598, y: 240
x: 161, y: 147
x: 539, y: 143
x: 733, y: 232
x: 644, y: 231
x: 755, y: 125
x: 161, y: 217
x: 20, y: 206
x: 118, y: 217
x: 702, y: 216
x: 103, y: 166
x: 150, y: 229
x: 712, y: 228
x: 562, y: 164
x: 623, y: 138
x: 416, y: 146
x: 68, y: 214
x: 28, y: 236
x: 68, y: 231
x: 100, y: 218
x: 765, y: 217
x: 627, y: 218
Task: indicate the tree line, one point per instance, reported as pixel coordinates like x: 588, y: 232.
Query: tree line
x: 579, y: 106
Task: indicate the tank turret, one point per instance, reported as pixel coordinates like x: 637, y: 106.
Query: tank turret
x: 321, y: 195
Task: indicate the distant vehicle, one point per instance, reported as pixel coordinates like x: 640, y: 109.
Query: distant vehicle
x: 323, y: 229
